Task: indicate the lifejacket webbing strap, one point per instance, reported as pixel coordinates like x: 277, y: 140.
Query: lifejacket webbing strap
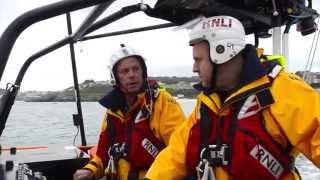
x: 205, y: 126
x: 111, y: 132
x: 216, y: 154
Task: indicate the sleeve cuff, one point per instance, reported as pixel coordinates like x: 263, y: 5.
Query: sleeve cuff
x: 95, y: 169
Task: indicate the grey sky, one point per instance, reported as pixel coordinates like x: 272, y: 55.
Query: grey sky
x: 167, y: 52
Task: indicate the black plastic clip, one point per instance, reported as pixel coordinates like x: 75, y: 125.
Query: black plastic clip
x: 216, y: 155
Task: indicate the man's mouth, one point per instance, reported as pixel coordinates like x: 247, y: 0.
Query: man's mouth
x: 132, y: 84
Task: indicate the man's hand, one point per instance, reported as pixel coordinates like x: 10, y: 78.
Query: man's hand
x: 83, y: 174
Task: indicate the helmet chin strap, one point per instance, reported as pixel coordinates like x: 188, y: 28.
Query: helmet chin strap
x: 214, y: 75
x: 215, y: 88
x: 223, y: 94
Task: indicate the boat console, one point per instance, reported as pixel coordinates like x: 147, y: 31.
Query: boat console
x: 43, y: 163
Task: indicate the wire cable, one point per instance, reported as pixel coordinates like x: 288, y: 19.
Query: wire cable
x: 312, y: 52
x: 75, y: 137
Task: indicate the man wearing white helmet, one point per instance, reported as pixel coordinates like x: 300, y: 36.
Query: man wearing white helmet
x: 250, y: 121
x: 138, y: 122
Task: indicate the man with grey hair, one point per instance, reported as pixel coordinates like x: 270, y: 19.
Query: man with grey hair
x: 139, y: 120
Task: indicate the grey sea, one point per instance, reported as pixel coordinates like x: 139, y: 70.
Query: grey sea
x: 47, y: 123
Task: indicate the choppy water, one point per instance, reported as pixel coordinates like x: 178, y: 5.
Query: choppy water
x: 44, y: 123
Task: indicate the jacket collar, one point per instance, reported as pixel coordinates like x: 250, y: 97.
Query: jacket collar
x: 253, y: 76
x: 259, y: 88
x: 252, y: 68
x: 114, y: 100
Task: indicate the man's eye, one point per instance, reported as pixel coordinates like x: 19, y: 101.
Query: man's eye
x: 135, y: 68
x: 124, y: 71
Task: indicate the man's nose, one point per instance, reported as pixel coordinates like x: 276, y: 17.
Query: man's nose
x: 131, y: 73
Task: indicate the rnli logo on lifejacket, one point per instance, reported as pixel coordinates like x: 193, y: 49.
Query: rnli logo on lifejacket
x: 217, y: 22
x: 267, y: 160
x: 250, y: 107
x: 149, y: 147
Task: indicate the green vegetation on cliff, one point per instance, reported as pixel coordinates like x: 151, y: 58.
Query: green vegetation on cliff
x: 93, y: 91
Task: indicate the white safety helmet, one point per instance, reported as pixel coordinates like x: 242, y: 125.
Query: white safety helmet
x: 119, y: 55
x: 225, y: 35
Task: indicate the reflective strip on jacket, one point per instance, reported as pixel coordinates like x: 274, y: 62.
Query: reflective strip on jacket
x: 294, y: 118
x: 166, y: 116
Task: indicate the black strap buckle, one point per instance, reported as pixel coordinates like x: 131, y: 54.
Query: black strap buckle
x: 117, y: 151
x: 216, y: 155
